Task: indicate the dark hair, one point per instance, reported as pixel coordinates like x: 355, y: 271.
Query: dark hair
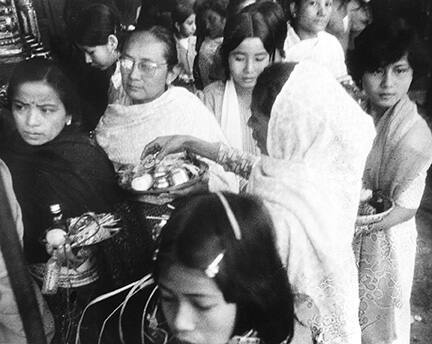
x: 95, y: 23
x: 249, y: 23
x: 181, y: 12
x: 275, y: 19
x: 39, y: 69
x: 164, y: 36
x: 250, y: 275
x: 218, y: 6
x: 269, y: 84
x: 384, y: 42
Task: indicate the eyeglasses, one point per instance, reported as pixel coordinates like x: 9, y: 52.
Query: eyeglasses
x: 147, y: 68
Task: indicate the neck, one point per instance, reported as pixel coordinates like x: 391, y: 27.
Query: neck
x: 377, y: 112
x: 304, y: 34
x: 243, y: 92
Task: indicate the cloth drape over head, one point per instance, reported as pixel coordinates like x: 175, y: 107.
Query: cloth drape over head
x: 124, y: 130
x: 318, y: 140
x: 324, y: 50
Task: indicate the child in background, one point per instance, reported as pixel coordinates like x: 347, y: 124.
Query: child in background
x: 211, y: 16
x: 97, y: 32
x: 183, y: 18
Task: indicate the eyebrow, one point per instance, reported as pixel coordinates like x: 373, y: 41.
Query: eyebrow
x: 39, y: 105
x: 194, y: 295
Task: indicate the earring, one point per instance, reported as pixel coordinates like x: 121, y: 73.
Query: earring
x: 69, y: 122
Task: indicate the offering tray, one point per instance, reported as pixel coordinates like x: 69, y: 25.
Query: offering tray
x: 150, y: 177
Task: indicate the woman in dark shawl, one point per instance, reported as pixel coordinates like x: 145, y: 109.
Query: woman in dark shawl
x: 53, y: 162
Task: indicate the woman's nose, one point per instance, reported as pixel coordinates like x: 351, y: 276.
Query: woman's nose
x: 87, y: 58
x: 33, y: 117
x: 388, y: 78
x: 249, y: 66
x: 184, y: 320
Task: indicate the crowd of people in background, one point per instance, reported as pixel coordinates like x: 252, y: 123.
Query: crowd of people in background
x: 297, y: 108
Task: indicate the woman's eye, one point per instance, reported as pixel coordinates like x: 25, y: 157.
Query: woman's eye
x: 401, y: 70
x: 378, y: 72
x: 17, y: 107
x: 47, y: 110
x: 239, y: 58
x: 260, y: 59
x: 203, y: 306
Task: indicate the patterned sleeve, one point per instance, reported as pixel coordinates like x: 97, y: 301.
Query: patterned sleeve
x: 236, y: 161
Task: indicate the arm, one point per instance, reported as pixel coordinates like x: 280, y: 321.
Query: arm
x: 230, y: 159
x: 396, y: 216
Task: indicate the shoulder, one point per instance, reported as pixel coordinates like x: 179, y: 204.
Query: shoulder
x: 330, y: 40
x: 215, y: 89
x: 213, y: 96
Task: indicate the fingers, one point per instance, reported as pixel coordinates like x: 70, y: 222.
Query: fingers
x: 151, y: 148
x: 65, y: 254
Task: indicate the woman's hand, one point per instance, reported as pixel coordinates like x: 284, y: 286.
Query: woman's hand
x: 66, y: 255
x: 166, y: 145
x: 177, y: 143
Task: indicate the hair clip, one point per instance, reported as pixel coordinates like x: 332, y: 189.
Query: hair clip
x: 231, y: 217
x: 213, y: 268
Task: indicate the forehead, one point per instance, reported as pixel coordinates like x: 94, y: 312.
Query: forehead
x: 186, y: 281
x: 209, y: 13
x: 252, y: 45
x: 144, y: 46
x: 36, y: 91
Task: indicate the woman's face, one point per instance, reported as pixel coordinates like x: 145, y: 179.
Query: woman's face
x: 214, y: 24
x: 144, y: 69
x: 101, y: 56
x: 387, y: 85
x: 258, y: 122
x: 194, y: 307
x: 247, y: 61
x: 311, y: 17
x: 188, y: 27
x: 38, y: 112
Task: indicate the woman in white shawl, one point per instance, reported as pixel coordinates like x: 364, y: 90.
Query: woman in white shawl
x: 148, y: 66
x: 307, y: 39
x: 386, y: 58
x: 318, y: 140
x: 253, y: 38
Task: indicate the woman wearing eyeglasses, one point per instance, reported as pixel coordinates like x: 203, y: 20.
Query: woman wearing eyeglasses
x: 148, y: 67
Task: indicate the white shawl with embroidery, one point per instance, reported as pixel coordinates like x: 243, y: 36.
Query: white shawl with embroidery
x: 318, y: 141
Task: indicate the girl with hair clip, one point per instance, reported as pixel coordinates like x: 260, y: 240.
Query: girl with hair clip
x: 219, y: 274
x: 252, y: 40
x: 97, y: 31
x: 387, y: 57
x: 314, y: 140
x: 307, y: 39
x: 183, y: 18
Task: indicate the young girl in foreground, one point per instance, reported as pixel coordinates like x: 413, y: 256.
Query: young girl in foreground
x: 219, y: 273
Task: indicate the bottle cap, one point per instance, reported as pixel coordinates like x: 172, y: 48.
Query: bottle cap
x: 55, y: 208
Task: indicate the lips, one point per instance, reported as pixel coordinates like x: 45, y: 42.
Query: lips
x: 386, y: 96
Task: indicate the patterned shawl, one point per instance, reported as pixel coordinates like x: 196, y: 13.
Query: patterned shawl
x: 401, y: 151
x: 318, y: 141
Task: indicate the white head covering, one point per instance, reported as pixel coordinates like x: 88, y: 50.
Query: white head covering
x: 318, y: 141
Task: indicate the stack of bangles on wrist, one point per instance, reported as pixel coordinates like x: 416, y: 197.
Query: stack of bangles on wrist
x: 236, y: 161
